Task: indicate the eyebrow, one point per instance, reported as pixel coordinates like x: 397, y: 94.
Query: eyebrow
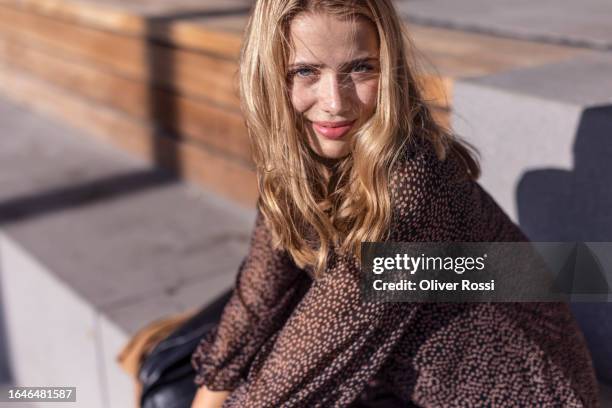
x: 312, y: 65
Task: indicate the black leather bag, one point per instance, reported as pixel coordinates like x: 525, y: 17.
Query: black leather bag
x: 166, y: 374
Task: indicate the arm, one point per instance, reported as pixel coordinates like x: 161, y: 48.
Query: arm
x: 267, y: 287
x: 330, y: 347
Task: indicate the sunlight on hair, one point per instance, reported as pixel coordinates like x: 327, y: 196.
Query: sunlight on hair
x: 347, y: 201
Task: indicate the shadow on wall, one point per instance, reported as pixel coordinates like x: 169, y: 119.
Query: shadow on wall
x: 576, y: 205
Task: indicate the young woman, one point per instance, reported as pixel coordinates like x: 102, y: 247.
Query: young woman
x: 347, y: 151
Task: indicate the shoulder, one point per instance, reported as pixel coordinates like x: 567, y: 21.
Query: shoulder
x: 435, y: 200
x: 419, y: 174
x: 431, y: 197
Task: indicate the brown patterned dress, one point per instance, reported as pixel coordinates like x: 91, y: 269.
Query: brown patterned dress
x: 286, y: 340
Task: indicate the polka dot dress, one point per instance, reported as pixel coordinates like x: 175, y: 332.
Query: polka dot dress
x: 287, y: 340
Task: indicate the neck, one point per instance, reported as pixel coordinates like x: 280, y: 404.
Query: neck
x: 327, y: 161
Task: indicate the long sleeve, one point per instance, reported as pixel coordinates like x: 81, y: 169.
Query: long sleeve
x: 267, y: 288
x: 330, y: 347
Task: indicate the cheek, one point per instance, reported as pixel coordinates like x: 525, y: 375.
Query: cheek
x: 301, y: 98
x: 367, y: 92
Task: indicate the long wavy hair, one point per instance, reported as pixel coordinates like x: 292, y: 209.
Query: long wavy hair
x: 351, y: 202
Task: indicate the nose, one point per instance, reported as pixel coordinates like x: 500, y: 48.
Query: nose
x: 333, y: 95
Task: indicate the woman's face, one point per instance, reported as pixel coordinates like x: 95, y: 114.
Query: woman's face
x: 333, y: 78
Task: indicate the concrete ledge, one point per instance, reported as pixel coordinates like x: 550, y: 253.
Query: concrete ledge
x: 534, y: 118
x: 567, y: 22
x: 544, y: 135
x: 94, y: 244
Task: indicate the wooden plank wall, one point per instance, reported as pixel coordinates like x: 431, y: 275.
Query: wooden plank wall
x: 175, y: 106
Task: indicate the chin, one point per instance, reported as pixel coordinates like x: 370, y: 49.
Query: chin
x: 329, y: 149
x: 334, y: 152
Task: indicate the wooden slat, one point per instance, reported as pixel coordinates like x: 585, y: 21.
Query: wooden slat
x: 128, y: 16
x: 220, y: 173
x: 189, y: 72
x: 168, y: 21
x: 121, y: 54
x: 192, y: 119
x: 191, y: 35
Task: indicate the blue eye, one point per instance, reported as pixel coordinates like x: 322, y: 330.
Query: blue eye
x: 301, y: 70
x: 367, y: 67
x: 310, y: 73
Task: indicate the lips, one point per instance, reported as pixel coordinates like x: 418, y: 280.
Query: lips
x: 333, y: 130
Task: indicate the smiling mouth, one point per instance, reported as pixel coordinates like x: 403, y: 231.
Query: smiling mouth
x: 332, y: 130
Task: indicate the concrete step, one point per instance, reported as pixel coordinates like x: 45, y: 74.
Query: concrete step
x: 556, y: 115
x: 94, y: 244
x: 565, y: 22
x: 545, y: 136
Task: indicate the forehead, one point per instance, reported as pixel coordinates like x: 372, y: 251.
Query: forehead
x: 323, y: 38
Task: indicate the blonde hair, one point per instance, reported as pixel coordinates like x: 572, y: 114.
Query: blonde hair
x: 295, y: 196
